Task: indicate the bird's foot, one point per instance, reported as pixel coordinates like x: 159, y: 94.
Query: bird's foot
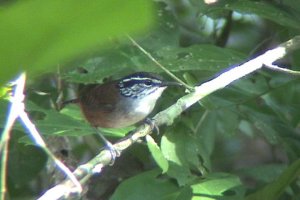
x: 152, y: 125
x: 110, y: 147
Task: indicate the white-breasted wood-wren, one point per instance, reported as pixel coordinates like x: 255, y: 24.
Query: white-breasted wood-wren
x: 121, y: 102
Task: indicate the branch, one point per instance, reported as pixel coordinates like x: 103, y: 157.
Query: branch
x: 167, y: 116
x: 104, y: 158
x: 17, y: 110
x: 16, y: 105
x: 85, y: 171
x: 283, y: 70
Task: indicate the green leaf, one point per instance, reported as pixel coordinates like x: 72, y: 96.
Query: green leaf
x: 240, y: 92
x: 216, y: 185
x: 189, y: 152
x: 4, y: 107
x: 69, y: 122
x: 74, y: 113
x: 228, y: 121
x: 263, y: 121
x: 286, y: 107
x: 265, y: 173
x: 198, y: 57
x: 205, y: 138
x: 146, y: 186
x: 108, y: 65
x: 52, y: 122
x: 203, y: 58
x: 277, y: 187
x: 38, y: 35
x: 157, y: 154
x: 175, y: 147
x: 24, y: 158
x: 274, y: 13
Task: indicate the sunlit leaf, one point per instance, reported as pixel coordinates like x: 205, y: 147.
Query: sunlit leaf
x: 39, y: 35
x: 146, y: 186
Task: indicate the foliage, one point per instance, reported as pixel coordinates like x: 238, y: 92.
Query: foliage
x: 241, y: 142
x: 41, y: 35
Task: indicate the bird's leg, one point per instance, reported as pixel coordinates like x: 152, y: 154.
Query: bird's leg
x: 152, y: 125
x: 108, y: 145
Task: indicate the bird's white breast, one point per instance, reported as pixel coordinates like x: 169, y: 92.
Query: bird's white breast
x: 146, y: 105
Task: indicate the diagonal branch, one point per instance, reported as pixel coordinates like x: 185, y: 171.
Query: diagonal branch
x: 15, y: 106
x: 85, y: 171
x: 17, y: 110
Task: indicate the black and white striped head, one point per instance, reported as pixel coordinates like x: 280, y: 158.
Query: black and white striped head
x: 141, y: 84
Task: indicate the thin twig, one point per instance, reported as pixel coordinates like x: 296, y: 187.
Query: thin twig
x: 200, y: 122
x: 40, y: 142
x: 17, y: 109
x: 17, y: 97
x: 158, y: 64
x: 283, y: 70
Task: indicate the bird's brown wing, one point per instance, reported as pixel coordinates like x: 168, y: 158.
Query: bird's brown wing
x: 99, y: 97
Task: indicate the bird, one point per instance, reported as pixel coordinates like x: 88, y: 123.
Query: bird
x: 122, y: 102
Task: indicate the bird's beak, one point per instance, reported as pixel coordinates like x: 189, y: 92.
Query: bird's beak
x: 169, y: 83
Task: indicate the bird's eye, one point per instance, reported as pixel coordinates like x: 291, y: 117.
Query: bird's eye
x: 148, y: 82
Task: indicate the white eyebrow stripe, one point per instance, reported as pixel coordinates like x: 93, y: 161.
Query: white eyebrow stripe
x: 140, y: 79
